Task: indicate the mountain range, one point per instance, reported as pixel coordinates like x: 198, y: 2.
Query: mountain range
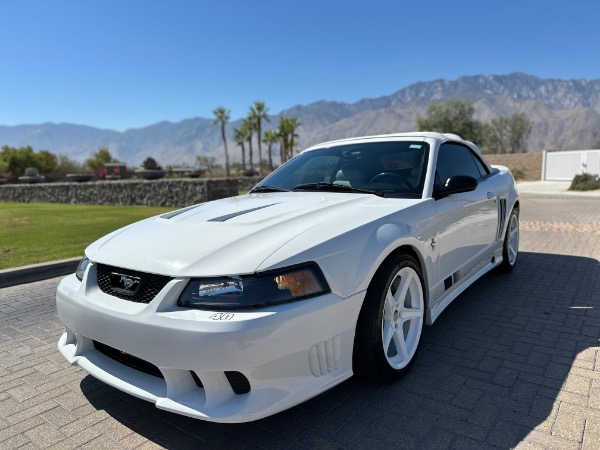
x: 565, y: 114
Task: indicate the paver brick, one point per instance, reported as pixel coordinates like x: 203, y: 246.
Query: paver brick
x: 59, y: 416
x: 551, y: 441
x: 45, y: 435
x: 569, y: 427
x: 14, y: 442
x: 7, y: 433
x: 591, y: 438
x: 32, y: 411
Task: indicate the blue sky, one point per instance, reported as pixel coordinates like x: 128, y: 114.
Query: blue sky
x: 131, y: 63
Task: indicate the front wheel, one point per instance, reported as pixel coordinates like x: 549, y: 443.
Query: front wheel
x: 510, y: 248
x: 390, y: 324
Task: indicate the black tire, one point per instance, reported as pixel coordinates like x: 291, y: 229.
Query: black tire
x: 373, y: 359
x: 510, y: 247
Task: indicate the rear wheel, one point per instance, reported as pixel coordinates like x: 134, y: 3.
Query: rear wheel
x: 510, y: 249
x: 390, y: 323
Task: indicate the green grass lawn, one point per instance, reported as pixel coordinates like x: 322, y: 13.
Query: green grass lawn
x: 37, y: 232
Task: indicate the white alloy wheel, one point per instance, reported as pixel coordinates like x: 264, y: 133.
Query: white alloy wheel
x: 402, y: 320
x: 391, y: 321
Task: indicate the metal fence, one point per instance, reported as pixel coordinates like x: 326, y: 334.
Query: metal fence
x: 563, y: 166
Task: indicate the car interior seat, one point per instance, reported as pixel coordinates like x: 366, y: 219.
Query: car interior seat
x: 350, y: 177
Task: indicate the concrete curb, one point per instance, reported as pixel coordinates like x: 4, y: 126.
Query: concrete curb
x: 552, y: 188
x: 37, y: 272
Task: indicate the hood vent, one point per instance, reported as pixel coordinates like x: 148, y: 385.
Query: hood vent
x: 178, y: 211
x: 226, y: 217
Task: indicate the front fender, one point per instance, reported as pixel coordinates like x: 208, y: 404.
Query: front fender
x: 349, y: 260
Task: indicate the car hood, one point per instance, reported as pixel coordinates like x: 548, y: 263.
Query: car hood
x: 231, y: 236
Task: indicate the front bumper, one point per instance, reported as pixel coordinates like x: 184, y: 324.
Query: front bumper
x: 288, y: 353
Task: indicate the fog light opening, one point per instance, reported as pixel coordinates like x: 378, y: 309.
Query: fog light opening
x: 239, y: 383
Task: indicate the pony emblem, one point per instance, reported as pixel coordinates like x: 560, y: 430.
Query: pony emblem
x: 124, y: 284
x: 127, y: 282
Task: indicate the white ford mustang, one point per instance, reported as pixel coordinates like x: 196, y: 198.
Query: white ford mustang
x: 233, y: 310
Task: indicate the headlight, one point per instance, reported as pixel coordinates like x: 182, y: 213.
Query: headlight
x: 81, y: 268
x: 266, y: 288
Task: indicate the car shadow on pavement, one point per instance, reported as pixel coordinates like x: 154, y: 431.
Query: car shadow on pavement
x: 492, y: 372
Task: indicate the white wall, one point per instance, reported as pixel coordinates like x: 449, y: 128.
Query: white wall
x: 563, y: 166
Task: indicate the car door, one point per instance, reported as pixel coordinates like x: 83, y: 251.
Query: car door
x: 467, y: 222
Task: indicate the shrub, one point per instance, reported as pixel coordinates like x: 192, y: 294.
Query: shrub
x: 585, y: 182
x: 3, y: 167
x: 151, y: 164
x: 32, y: 172
x: 518, y: 173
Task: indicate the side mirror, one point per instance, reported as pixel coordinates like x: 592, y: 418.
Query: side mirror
x: 456, y: 185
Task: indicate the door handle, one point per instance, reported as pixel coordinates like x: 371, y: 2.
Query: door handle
x: 490, y: 195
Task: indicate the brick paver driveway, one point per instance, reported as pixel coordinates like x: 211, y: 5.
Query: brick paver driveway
x: 515, y: 361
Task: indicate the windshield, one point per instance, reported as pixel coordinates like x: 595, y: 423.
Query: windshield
x: 391, y: 168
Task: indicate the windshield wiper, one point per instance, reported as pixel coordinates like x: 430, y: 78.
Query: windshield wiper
x: 267, y: 189
x: 334, y: 187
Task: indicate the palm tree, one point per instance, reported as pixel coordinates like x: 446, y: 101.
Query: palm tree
x: 240, y: 139
x: 271, y: 137
x: 248, y: 124
x: 287, y: 131
x: 282, y: 142
x: 294, y: 123
x: 259, y: 112
x: 222, y: 116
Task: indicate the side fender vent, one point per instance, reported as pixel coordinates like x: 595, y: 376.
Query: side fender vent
x: 324, y: 357
x: 501, y: 217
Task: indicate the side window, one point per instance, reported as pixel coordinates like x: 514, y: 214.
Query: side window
x: 482, y: 169
x: 454, y: 159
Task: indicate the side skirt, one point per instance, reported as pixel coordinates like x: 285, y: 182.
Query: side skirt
x: 460, y: 288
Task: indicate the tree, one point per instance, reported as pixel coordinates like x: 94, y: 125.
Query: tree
x: 222, y: 116
x: 17, y: 160
x: 3, y: 167
x: 259, y: 112
x: 271, y: 137
x: 237, y: 167
x: 239, y: 135
x: 287, y: 134
x: 66, y: 165
x: 207, y: 164
x: 507, y: 134
x: 97, y: 161
x: 46, y: 162
x: 249, y: 126
x: 294, y: 123
x: 454, y: 116
x: 151, y: 164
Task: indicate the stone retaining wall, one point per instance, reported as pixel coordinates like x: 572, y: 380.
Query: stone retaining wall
x: 524, y: 166
x: 165, y: 192
x: 247, y: 183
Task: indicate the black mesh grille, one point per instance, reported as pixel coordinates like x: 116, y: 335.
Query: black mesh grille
x: 150, y: 284
x: 128, y: 360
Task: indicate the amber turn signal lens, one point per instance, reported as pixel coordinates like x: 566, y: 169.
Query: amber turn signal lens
x: 300, y: 283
